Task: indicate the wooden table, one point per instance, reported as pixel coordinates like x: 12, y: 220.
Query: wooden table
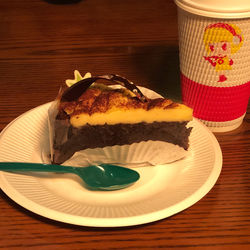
x: 40, y: 46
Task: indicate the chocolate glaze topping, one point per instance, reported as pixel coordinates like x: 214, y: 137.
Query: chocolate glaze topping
x: 76, y: 90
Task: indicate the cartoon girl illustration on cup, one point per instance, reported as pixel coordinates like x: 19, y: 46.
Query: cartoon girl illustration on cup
x: 221, y: 41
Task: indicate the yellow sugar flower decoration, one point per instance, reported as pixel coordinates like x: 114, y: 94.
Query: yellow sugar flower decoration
x: 78, y: 77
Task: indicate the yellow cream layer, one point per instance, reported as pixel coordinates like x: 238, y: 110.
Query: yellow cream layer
x: 175, y: 114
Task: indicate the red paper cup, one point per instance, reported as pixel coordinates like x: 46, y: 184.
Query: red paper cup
x: 215, y: 65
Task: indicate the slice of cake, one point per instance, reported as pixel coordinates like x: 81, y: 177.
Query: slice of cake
x: 94, y: 114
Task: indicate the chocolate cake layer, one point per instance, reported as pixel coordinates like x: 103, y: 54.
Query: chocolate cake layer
x: 66, y: 144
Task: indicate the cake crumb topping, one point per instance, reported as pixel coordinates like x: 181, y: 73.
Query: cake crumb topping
x: 102, y: 104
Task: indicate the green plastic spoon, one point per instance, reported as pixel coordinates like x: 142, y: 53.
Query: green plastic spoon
x: 99, y: 177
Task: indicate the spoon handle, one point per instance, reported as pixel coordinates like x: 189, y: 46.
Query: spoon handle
x: 35, y: 167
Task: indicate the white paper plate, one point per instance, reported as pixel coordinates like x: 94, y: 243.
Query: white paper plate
x: 162, y: 190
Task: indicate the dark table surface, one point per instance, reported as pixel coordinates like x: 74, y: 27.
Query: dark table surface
x: 41, y: 44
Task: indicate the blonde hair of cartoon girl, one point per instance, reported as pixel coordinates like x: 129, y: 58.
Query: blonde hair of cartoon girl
x: 221, y: 40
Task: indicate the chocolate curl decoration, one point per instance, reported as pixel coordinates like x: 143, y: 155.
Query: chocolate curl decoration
x: 76, y: 90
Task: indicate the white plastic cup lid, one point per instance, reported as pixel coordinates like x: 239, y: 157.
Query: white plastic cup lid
x: 229, y: 9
